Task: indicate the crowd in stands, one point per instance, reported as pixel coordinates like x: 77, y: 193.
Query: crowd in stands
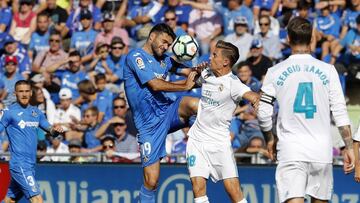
x: 74, y: 53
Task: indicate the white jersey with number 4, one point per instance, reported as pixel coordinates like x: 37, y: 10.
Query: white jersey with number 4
x: 219, y: 98
x: 307, y: 90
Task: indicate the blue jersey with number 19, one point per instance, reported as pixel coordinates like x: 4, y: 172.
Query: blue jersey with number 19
x: 21, y: 125
x: 149, y: 107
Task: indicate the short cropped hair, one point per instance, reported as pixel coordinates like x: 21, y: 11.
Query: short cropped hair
x: 22, y: 82
x: 163, y: 28
x: 299, y: 31
x: 229, y: 51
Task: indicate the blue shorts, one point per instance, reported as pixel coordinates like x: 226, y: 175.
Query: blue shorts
x: 22, y: 183
x: 152, y: 144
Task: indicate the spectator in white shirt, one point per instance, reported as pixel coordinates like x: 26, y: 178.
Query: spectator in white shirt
x: 241, y: 38
x: 66, y: 111
x: 57, y: 147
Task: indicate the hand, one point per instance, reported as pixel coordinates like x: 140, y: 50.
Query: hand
x: 109, y: 153
x: 349, y: 161
x: 200, y: 67
x: 116, y: 119
x: 357, y: 172
x: 190, y: 82
x: 330, y: 38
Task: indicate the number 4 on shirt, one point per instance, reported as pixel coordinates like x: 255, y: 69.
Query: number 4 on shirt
x: 304, y: 101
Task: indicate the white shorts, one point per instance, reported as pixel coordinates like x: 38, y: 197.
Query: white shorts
x: 214, y: 160
x: 298, y: 178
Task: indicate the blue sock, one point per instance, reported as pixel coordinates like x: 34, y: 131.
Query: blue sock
x: 147, y: 196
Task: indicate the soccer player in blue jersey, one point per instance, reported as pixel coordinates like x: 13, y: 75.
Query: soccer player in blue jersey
x: 21, y: 122
x: 155, y: 115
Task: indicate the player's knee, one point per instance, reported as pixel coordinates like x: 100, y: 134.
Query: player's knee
x: 199, y: 190
x: 151, y: 183
x: 194, y: 103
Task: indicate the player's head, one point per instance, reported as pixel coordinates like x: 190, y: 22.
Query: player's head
x: 23, y: 92
x: 299, y: 31
x: 160, y: 39
x: 224, y: 55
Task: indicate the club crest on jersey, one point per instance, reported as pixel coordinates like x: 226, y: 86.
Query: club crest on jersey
x: 162, y: 64
x: 34, y: 114
x: 221, y: 87
x: 140, y: 63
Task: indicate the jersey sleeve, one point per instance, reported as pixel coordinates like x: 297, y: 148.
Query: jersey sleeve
x: 337, y: 100
x: 140, y: 68
x: 238, y: 89
x: 43, y: 122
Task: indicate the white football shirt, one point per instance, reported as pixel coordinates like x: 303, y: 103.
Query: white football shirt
x: 307, y: 90
x: 219, y: 98
x: 356, y: 136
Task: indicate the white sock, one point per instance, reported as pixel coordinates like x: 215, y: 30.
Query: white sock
x: 203, y: 199
x: 243, y: 201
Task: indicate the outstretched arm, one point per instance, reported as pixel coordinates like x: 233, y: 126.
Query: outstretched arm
x: 162, y: 85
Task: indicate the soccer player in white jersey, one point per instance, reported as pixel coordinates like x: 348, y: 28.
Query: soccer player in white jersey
x: 209, y: 151
x: 356, y: 139
x: 307, y: 91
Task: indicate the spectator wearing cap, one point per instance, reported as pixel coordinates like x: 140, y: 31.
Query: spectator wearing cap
x: 57, y: 14
x: 109, y: 31
x: 73, y: 22
x: 66, y: 111
x: 24, y: 22
x: 40, y: 38
x: 233, y: 9
x: 57, y: 147
x: 171, y: 20
x: 241, y: 38
x: 52, y: 60
x: 75, y: 147
x: 257, y: 61
x: 205, y: 26
x: 83, y: 40
x: 13, y: 48
x: 9, y: 78
x: 5, y: 20
x: 271, y: 43
x: 327, y: 26
x: 90, y: 98
x: 116, y: 60
x: 73, y: 74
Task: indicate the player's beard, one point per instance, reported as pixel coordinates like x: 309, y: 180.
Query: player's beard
x: 157, y: 50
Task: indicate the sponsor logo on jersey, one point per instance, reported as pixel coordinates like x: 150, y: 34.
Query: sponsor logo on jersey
x: 22, y: 124
x: 21, y: 113
x: 140, y: 63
